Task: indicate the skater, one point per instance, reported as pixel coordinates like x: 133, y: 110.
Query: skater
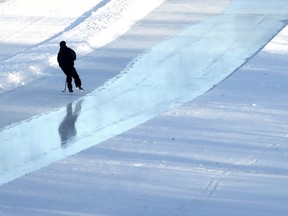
x: 66, y: 58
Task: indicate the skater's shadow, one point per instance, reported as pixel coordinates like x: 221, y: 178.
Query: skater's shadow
x: 67, y: 129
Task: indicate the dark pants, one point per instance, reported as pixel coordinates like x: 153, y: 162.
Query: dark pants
x: 71, y: 72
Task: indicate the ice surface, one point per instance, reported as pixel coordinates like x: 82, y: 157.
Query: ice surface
x: 168, y: 75
x: 223, y: 153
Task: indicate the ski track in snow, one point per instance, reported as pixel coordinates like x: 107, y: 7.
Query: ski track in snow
x: 78, y: 21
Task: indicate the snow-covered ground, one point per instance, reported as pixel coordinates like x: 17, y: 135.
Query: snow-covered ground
x: 164, y: 147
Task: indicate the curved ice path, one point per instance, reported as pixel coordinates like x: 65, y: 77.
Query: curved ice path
x: 170, y: 74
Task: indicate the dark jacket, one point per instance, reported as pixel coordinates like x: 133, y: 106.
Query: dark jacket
x: 66, y: 57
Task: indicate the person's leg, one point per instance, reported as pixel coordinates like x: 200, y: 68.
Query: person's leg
x: 68, y: 72
x: 76, y: 78
x: 69, y: 83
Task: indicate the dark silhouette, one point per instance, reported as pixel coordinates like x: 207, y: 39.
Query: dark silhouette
x: 66, y: 58
x: 67, y: 129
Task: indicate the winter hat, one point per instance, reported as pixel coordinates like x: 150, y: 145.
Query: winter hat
x: 62, y: 44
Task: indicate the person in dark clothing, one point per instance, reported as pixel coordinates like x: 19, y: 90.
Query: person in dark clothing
x: 66, y: 58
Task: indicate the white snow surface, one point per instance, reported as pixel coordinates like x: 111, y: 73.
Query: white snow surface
x: 184, y: 110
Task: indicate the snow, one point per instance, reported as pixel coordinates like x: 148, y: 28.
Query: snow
x: 183, y: 114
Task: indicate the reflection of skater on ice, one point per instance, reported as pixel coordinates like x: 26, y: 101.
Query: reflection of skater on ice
x: 67, y: 128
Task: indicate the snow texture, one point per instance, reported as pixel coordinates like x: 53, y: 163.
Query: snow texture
x: 184, y: 111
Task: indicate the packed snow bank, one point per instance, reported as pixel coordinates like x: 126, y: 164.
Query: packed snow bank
x: 168, y: 75
x: 22, y: 29
x: 30, y: 44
